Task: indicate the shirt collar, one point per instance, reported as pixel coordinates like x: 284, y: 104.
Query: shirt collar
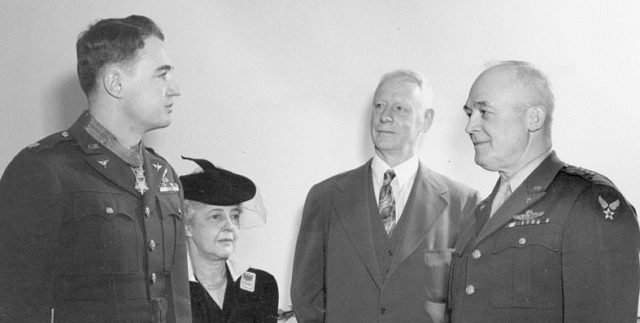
x: 520, y: 176
x: 98, y: 132
x: 404, y: 172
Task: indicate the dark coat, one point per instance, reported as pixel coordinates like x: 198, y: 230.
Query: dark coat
x: 336, y: 273
x: 252, y: 298
x: 574, y: 260
x: 80, y: 244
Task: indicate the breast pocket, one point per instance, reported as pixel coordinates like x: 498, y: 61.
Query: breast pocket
x: 170, y: 208
x: 528, y: 267
x: 437, y: 263
x: 103, y: 233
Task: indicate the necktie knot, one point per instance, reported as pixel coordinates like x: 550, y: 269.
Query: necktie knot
x: 388, y: 177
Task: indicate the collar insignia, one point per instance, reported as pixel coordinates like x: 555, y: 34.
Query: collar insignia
x: 93, y: 146
x: 103, y: 162
x: 157, y: 166
x: 608, y: 208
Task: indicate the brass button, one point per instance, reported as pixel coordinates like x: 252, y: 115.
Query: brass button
x: 154, y: 278
x: 65, y: 134
x: 152, y: 245
x: 109, y: 210
x: 470, y: 290
x: 522, y: 240
x: 476, y: 254
x: 179, y: 211
x: 147, y: 211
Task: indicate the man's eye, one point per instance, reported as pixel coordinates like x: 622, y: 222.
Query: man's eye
x: 378, y: 105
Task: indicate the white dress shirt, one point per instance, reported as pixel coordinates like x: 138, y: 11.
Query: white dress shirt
x: 401, y: 184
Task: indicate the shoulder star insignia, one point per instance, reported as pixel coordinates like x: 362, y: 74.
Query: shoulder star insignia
x: 103, y: 162
x: 157, y: 166
x: 608, y: 208
x: 33, y: 145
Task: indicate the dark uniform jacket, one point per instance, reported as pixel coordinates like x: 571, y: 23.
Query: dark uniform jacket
x: 562, y: 248
x: 80, y: 244
x: 251, y: 298
x: 346, y: 269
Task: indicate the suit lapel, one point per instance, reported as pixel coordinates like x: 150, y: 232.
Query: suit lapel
x: 531, y: 191
x: 424, y: 206
x: 352, y: 199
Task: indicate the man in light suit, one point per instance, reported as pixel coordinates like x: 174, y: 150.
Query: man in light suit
x: 553, y: 242
x: 375, y: 242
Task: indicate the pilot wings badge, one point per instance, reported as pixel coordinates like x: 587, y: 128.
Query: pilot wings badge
x: 528, y: 218
x: 608, y: 208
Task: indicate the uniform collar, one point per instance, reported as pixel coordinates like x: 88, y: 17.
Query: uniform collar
x: 96, y: 130
x: 520, y: 176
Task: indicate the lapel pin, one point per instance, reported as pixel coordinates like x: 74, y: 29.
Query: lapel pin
x: 103, y: 162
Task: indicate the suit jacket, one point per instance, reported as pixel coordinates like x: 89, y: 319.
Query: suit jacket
x: 336, y: 274
x: 80, y: 244
x: 562, y: 248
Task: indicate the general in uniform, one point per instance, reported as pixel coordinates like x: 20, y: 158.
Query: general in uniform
x: 553, y: 242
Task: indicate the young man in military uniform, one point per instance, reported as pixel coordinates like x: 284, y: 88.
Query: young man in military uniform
x: 91, y: 227
x: 552, y: 243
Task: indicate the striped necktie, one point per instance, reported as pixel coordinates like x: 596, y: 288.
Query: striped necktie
x: 387, y: 204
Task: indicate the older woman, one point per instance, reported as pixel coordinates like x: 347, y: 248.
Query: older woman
x: 218, y: 203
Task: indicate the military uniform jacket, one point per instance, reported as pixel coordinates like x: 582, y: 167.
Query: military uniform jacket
x: 562, y: 248
x: 80, y: 244
x: 343, y: 271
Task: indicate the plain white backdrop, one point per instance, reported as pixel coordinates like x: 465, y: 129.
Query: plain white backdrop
x: 280, y: 90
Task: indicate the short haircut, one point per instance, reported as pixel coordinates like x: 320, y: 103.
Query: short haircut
x: 535, y: 82
x: 414, y: 77
x: 111, y: 41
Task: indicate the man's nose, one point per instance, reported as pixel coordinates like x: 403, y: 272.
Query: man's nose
x: 385, y: 115
x: 173, y: 89
x: 472, y: 123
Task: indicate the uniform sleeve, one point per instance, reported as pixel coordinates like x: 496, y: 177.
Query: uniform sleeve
x: 29, y: 230
x: 308, y: 285
x: 600, y: 258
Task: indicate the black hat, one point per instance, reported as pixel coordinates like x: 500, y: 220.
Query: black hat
x: 216, y: 186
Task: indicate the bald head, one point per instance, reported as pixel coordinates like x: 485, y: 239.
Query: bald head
x: 509, y: 109
x: 531, y: 86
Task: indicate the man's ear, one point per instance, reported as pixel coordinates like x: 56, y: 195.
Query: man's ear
x: 428, y: 120
x: 187, y: 231
x: 112, y: 82
x: 536, y: 115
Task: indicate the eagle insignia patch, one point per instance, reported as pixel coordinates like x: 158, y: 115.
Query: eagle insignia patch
x: 608, y: 208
